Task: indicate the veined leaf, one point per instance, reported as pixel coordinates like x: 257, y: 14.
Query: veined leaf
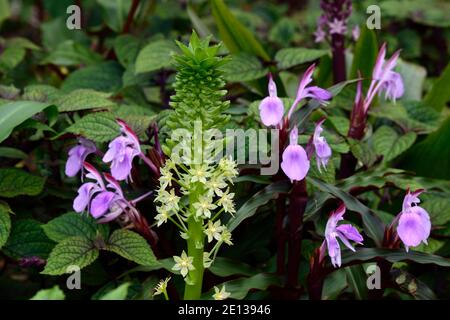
x: 70, y: 53
x: 54, y: 293
x: 13, y: 153
x: 289, y: 57
x: 16, y: 182
x: 119, y: 293
x: 439, y: 94
x: 366, y: 51
x: 99, y: 127
x: 154, y: 56
x: 131, y: 246
x: 243, y: 67
x: 225, y: 267
x: 388, y: 143
x: 74, y: 251
x: 5, y: 224
x: 83, y: 99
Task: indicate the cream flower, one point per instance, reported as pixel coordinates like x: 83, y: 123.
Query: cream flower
x: 161, y: 287
x: 204, y: 206
x: 214, y: 230
x: 183, y: 263
x: 220, y: 294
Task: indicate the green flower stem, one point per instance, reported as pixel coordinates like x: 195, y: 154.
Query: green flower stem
x: 193, y: 288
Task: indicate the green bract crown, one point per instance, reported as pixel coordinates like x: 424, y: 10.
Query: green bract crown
x: 198, y: 87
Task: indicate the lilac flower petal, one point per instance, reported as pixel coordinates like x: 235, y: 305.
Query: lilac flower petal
x: 334, y: 251
x: 411, y: 229
x: 350, y: 232
x: 75, y: 161
x: 271, y: 110
x: 101, y: 203
x: 295, y: 162
x: 81, y: 202
x: 121, y: 167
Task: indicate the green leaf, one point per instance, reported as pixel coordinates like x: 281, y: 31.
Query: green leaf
x: 393, y: 255
x: 373, y: 226
x: 104, y: 77
x: 72, y: 224
x: 439, y: 94
x: 243, y: 67
x: 334, y: 284
x: 71, y: 53
x: 356, y: 278
x: 239, y: 288
x: 154, y: 56
x: 14, y: 113
x: 98, y: 126
x: 11, y: 57
x: 225, y: 267
x: 27, y: 239
x: 388, y: 143
x: 233, y: 33
x: 83, y: 99
x: 260, y: 198
x: 438, y: 208
x: 131, y: 246
x: 5, y: 10
x: 126, y: 48
x: 289, y: 57
x: 74, y: 251
x: 430, y: 157
x: 413, y: 76
x: 15, y: 182
x: 119, y: 293
x: 365, y: 54
x: 54, y: 293
x: 5, y: 224
x: 13, y: 153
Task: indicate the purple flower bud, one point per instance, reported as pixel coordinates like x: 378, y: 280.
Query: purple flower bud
x: 295, y: 162
x: 121, y: 153
x: 323, y: 150
x: 271, y: 108
x: 77, y: 156
x: 414, y: 224
x: 345, y: 232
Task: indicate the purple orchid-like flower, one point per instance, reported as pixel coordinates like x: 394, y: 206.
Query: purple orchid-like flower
x: 295, y: 162
x: 304, y: 91
x: 384, y: 78
x: 271, y: 108
x: 414, y: 223
x: 323, y: 150
x: 77, y: 156
x: 345, y: 232
x: 122, y: 151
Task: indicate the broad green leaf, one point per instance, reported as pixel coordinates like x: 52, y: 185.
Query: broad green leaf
x: 334, y: 284
x: 438, y: 209
x: 239, y: 288
x: 5, y: 224
x: 233, y: 33
x: 27, y: 239
x: 104, y: 77
x: 71, y: 53
x: 40, y: 92
x: 413, y: 76
x: 341, y: 124
x: 54, y: 293
x: 11, y: 57
x: 225, y: 267
x: 131, y: 246
x: 260, y: 198
x: 439, y: 94
x: 74, y: 251
x: 72, y: 224
x: 99, y: 127
x: 284, y: 31
x: 356, y: 278
x: 388, y: 143
x: 83, y: 99
x: 16, y: 182
x: 393, y: 255
x: 126, y: 48
x: 154, y: 56
x: 13, y: 153
x: 14, y: 113
x: 373, y: 226
x: 243, y: 67
x: 289, y: 57
x: 365, y: 54
x: 432, y: 247
x: 430, y: 157
x: 362, y: 151
x: 119, y: 293
x: 114, y: 12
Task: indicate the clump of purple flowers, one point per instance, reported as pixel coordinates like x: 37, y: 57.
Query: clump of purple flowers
x: 334, y: 19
